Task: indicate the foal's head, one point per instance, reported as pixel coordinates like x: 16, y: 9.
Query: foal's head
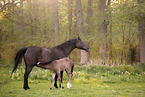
x: 81, y: 45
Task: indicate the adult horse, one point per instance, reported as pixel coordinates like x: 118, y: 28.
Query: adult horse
x: 35, y: 54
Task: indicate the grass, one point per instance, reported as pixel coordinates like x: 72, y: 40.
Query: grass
x: 88, y: 81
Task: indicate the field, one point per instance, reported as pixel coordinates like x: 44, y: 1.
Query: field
x: 88, y: 81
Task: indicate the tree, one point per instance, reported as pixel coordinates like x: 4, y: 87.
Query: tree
x: 84, y: 58
x: 110, y: 34
x: 69, y: 18
x: 141, y: 29
x: 21, y: 18
x: 55, y: 21
x: 103, y: 30
x: 89, y: 15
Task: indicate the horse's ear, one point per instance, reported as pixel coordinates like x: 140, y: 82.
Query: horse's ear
x: 79, y: 38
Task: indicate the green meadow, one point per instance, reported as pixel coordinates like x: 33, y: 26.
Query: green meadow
x: 88, y: 81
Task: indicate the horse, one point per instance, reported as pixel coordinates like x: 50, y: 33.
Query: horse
x: 57, y: 66
x: 34, y: 54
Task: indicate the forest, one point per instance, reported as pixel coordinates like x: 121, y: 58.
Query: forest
x: 113, y: 29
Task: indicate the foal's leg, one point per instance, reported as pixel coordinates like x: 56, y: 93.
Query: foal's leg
x: 53, y: 76
x: 70, y: 76
x: 58, y: 73
x: 69, y: 82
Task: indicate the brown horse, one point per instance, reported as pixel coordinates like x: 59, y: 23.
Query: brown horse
x: 35, y: 54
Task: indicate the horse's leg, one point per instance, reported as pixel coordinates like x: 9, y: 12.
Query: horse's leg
x: 27, y: 72
x: 55, y: 84
x: 61, y: 75
x: 56, y: 76
x: 58, y: 73
x: 53, y: 76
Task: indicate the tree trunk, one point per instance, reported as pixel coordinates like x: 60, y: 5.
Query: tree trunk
x: 142, y: 33
x: 69, y: 18
x: 31, y: 19
x: 110, y: 41
x: 79, y: 17
x: 89, y: 13
x: 103, y: 31
x: 55, y: 21
x: 84, y: 57
x: 110, y: 33
x: 21, y: 19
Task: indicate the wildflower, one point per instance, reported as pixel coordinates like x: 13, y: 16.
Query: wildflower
x: 96, y: 75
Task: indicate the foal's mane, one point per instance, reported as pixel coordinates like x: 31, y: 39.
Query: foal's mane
x: 67, y: 43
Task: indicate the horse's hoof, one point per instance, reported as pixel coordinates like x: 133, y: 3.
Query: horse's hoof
x: 50, y: 88
x: 55, y: 86
x: 26, y: 88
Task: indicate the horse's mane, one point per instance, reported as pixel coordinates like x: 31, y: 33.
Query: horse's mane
x: 67, y: 43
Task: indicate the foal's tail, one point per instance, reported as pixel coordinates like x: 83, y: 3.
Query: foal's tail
x: 18, y: 57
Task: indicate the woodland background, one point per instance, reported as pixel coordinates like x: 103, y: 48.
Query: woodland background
x: 113, y: 29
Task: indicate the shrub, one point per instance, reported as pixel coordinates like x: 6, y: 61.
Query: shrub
x: 139, y: 67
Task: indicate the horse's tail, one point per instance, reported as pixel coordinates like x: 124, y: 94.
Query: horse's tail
x: 18, y: 57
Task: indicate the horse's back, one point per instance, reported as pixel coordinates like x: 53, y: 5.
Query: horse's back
x: 33, y: 51
x: 32, y: 54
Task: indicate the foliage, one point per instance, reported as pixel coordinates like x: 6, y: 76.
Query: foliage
x: 21, y: 27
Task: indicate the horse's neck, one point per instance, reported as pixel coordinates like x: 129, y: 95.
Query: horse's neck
x: 66, y: 48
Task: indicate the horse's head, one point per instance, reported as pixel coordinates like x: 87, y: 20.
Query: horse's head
x: 81, y: 45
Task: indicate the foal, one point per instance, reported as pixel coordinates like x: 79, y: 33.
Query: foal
x: 57, y: 66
